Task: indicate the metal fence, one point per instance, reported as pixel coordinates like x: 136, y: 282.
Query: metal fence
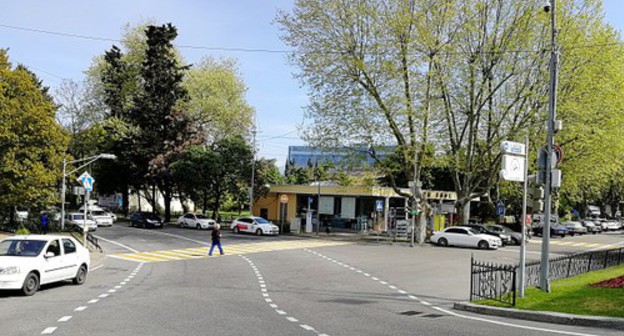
x: 498, y: 281
x: 493, y: 282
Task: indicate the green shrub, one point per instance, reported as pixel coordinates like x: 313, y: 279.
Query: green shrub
x: 22, y: 231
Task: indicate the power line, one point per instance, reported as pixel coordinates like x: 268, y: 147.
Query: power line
x: 263, y: 50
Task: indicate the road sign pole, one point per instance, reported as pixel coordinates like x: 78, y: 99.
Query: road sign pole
x: 84, y: 227
x: 523, y: 223
x: 552, y: 111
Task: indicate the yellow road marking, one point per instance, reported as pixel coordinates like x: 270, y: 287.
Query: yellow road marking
x: 238, y: 249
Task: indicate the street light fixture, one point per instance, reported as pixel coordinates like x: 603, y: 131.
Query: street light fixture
x: 89, y: 160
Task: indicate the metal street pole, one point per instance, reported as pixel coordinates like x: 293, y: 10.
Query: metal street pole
x: 253, y: 172
x: 318, y: 210
x: 523, y: 223
x: 84, y: 227
x: 63, y: 196
x: 415, y: 192
x: 550, y: 141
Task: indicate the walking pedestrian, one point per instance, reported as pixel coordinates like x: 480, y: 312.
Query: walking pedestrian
x: 44, y: 224
x: 216, y: 239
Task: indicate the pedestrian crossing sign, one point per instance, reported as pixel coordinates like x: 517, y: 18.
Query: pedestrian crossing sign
x: 87, y: 181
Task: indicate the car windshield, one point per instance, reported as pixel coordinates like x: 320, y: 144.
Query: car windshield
x: 473, y: 231
x: 150, y: 215
x: 78, y: 217
x: 99, y: 213
x: 262, y: 221
x: 21, y: 248
x: 201, y: 216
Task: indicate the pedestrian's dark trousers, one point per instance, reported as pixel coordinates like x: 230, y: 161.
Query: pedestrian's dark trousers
x: 218, y: 244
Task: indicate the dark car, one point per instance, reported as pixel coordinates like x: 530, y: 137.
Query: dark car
x: 556, y: 229
x: 516, y: 237
x: 146, y: 219
x: 505, y: 238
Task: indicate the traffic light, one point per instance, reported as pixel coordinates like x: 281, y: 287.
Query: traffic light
x: 536, y: 194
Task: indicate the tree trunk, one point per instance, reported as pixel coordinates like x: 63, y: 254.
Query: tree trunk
x: 463, y: 211
x: 154, y: 202
x: 167, y: 199
x: 125, y: 194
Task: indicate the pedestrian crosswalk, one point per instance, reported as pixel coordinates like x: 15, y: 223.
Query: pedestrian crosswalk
x: 576, y: 244
x: 238, y: 249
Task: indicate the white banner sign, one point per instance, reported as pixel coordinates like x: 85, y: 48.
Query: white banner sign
x: 326, y: 205
x: 347, y: 208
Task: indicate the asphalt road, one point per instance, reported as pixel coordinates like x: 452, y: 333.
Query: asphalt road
x: 273, y: 286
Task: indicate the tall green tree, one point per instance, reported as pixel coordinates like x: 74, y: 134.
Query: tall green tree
x: 166, y: 131
x: 32, y: 143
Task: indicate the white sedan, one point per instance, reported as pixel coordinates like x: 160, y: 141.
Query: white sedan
x: 78, y: 219
x: 465, y: 236
x: 256, y: 225
x: 26, y: 262
x: 197, y: 221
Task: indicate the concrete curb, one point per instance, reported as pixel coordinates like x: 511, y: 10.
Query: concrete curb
x: 544, y: 316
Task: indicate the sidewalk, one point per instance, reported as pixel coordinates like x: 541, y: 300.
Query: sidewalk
x: 544, y: 316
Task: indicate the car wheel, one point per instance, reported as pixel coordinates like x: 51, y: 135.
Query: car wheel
x: 143, y: 225
x: 571, y: 234
x: 197, y: 226
x: 258, y: 232
x: 81, y: 276
x: 593, y: 232
x: 515, y: 241
x: 31, y: 284
x: 132, y: 224
x: 443, y: 242
x: 181, y: 225
x: 236, y: 229
x: 483, y: 245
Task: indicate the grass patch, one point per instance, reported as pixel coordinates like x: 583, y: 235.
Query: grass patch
x: 575, y: 296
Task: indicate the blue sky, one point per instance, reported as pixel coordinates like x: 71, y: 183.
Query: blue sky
x: 248, y: 24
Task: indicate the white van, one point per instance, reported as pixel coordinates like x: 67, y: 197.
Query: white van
x: 99, y: 215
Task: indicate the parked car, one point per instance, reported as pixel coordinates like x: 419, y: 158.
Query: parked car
x: 110, y: 213
x: 78, y: 219
x: 257, y: 225
x: 101, y: 217
x: 575, y: 228
x: 21, y: 213
x: 146, y: 219
x: 591, y: 226
x: 516, y: 237
x: 556, y: 229
x: 485, y: 230
x: 465, y: 236
x: 28, y: 261
x: 613, y: 225
x: 197, y: 221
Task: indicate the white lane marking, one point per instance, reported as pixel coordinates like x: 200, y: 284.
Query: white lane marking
x: 64, y: 319
x: 118, y: 287
x: 425, y: 303
x: 292, y: 319
x: 374, y: 278
x: 48, y: 331
x: 366, y: 274
x: 103, y: 295
x: 392, y: 287
x: 273, y: 305
x: 510, y: 324
x: 81, y: 308
x: 123, y: 283
x: 412, y: 297
x: 306, y: 327
x: 112, y: 291
x: 268, y: 300
x: 592, y: 245
x: 281, y: 312
x: 127, y: 279
x: 383, y: 283
x: 96, y: 268
x: 93, y: 301
x: 402, y: 291
x: 265, y: 294
x: 118, y: 244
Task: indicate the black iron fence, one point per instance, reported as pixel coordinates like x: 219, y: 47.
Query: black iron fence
x: 493, y: 282
x: 499, y: 282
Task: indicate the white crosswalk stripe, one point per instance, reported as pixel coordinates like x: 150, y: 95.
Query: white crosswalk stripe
x: 238, y: 249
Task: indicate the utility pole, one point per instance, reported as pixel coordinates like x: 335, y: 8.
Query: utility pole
x: 550, y: 141
x: 253, y: 171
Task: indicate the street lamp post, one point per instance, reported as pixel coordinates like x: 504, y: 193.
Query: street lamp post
x: 89, y: 160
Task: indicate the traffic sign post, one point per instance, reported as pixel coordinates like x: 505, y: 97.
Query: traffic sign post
x: 500, y: 209
x: 87, y: 182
